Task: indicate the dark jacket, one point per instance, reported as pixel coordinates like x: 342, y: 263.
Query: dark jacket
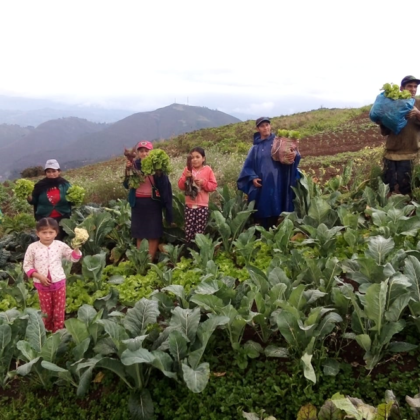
x: 164, y: 186
x: 43, y: 207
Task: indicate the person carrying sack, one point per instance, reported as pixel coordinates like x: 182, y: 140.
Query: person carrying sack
x: 266, y: 181
x: 401, y: 150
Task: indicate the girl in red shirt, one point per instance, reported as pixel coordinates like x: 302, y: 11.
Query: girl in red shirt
x: 197, y: 181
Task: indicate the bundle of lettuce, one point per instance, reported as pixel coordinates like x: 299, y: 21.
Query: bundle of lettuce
x: 23, y: 188
x: 76, y: 195
x: 391, y: 107
x: 156, y: 161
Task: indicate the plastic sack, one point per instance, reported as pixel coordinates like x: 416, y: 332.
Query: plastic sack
x: 284, y: 150
x: 391, y: 113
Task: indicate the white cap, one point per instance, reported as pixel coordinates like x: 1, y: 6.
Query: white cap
x: 51, y: 164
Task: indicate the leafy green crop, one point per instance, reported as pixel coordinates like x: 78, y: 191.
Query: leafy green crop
x: 76, y: 195
x: 393, y: 92
x: 156, y: 160
x: 23, y: 188
x: 290, y: 134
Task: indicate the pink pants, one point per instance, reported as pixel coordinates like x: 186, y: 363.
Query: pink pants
x: 53, y: 306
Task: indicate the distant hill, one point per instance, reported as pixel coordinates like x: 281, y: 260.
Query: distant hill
x: 32, y: 112
x: 10, y: 134
x: 75, y: 142
x: 160, y: 124
x: 32, y: 147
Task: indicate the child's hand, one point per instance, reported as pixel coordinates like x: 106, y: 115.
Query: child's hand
x: 45, y: 281
x: 188, y: 174
x: 199, y: 182
x: 76, y: 250
x: 128, y: 164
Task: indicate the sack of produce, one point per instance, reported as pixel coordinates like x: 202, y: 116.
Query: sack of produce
x: 391, y: 107
x: 285, y: 146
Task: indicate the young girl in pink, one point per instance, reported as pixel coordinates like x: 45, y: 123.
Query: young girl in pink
x: 43, y: 263
x: 197, y: 182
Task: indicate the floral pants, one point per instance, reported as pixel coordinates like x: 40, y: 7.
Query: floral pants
x: 195, y: 221
x: 53, y: 306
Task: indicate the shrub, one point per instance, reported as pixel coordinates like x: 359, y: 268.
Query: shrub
x: 32, y: 172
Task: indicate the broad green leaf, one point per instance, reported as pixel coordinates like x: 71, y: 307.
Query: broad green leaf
x: 376, y: 304
x: 319, y: 210
x: 253, y: 349
x: 308, y: 370
x: 391, y: 329
x: 331, y: 367
x: 77, y: 329
x: 384, y: 411
x: 177, y: 345
x: 52, y: 366
x: 163, y: 362
x: 412, y: 271
x: 35, y: 331
x: 273, y: 351
x: 307, y: 412
x: 86, y: 314
x: 330, y: 412
x: 186, y: 321
x: 297, y: 298
x: 401, y: 347
x: 129, y: 357
x: 364, y: 341
x: 196, y: 379
x: 50, y: 347
x: 344, y: 404
x: 25, y: 369
x: 144, y: 313
x: 5, y: 337
x: 288, y: 327
x: 393, y: 314
x: 140, y: 405
x: 80, y: 350
x: 207, y: 288
x: 136, y: 343
x: 114, y: 330
x: 204, y: 332
x: 379, y: 247
x: 26, y: 349
x: 208, y: 302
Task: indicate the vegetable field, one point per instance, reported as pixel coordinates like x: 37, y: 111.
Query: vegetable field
x: 317, y: 318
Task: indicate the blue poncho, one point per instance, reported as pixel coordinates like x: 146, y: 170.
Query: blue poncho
x: 275, y: 195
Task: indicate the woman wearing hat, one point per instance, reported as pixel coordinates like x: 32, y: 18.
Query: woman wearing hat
x: 146, y: 210
x: 49, y: 195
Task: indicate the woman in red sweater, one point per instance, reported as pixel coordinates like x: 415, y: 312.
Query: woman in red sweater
x: 197, y: 181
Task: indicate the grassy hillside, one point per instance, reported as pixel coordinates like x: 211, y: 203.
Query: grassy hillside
x: 324, y: 131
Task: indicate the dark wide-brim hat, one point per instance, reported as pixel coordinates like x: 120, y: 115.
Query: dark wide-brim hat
x: 261, y: 120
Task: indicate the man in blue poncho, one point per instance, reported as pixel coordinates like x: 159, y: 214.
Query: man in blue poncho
x: 266, y: 181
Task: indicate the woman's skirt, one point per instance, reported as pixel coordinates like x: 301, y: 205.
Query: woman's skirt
x: 146, y: 219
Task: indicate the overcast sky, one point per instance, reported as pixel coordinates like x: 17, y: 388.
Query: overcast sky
x: 246, y: 58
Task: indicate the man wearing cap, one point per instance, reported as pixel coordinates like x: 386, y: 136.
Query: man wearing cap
x: 266, y: 181
x: 401, y: 150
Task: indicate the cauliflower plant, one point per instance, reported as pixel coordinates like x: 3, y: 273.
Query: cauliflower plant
x: 81, y: 236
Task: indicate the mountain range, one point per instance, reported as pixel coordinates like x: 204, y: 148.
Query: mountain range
x: 75, y: 142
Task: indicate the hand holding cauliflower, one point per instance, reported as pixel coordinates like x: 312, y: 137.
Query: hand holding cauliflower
x: 81, y: 236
